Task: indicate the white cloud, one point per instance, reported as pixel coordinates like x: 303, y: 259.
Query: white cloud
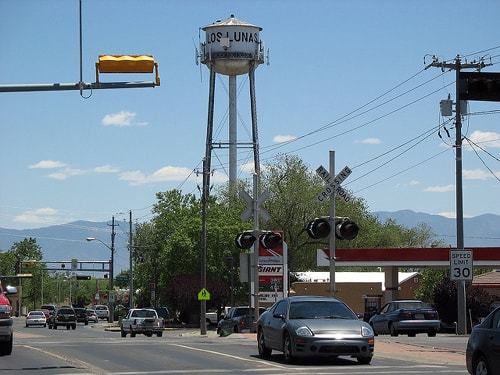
x: 121, y: 119
x: 476, y: 174
x: 370, y: 141
x: 39, y: 216
x: 106, y: 169
x: 167, y: 173
x: 414, y: 183
x: 47, y: 164
x: 484, y: 139
x: 440, y: 189
x: 284, y: 138
x: 63, y: 174
x: 248, y: 167
x: 451, y: 215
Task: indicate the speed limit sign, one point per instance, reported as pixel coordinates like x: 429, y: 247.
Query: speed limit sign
x: 461, y: 265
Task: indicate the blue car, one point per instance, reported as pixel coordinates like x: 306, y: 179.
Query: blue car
x: 406, y: 316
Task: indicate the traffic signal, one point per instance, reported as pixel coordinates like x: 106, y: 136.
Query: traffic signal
x: 83, y: 277
x: 268, y: 239
x: 126, y: 64
x: 479, y: 86
x: 320, y: 227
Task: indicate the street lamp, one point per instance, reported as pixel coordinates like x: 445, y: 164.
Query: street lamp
x: 110, y: 304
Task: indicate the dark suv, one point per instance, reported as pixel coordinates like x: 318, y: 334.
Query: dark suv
x: 81, y: 315
x: 64, y: 316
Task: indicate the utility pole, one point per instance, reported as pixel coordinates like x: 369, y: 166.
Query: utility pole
x: 131, y: 273
x: 457, y: 65
x: 331, y: 238
x: 111, y: 296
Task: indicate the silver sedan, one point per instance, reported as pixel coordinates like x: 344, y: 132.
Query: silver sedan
x: 36, y: 318
x: 306, y: 326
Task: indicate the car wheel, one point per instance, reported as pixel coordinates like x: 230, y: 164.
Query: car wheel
x: 73, y: 326
x: 431, y: 333
x: 287, y: 349
x: 159, y: 334
x: 55, y: 326
x: 6, y: 347
x: 264, y: 352
x: 123, y: 333
x: 67, y: 327
x: 364, y: 360
x: 149, y: 334
x: 27, y: 325
x: 235, y: 329
x: 481, y: 367
x: 393, y: 331
x: 375, y: 333
x: 86, y: 322
x: 132, y: 334
x: 45, y: 325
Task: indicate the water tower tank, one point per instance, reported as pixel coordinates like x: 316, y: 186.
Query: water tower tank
x: 232, y: 46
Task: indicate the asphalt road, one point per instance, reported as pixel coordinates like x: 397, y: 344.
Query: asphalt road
x: 92, y: 350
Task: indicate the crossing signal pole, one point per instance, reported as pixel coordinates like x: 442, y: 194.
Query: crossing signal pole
x: 457, y: 65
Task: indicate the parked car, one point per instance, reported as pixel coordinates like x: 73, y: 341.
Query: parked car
x: 36, y: 318
x: 64, y: 316
x: 306, y: 326
x: 50, y: 307
x: 102, y: 311
x: 91, y: 316
x: 483, y: 348
x: 237, y: 319
x: 145, y: 321
x: 6, y: 329
x: 81, y: 315
x: 164, y: 313
x: 406, y: 316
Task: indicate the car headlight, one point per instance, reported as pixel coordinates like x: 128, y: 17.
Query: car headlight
x: 303, y: 331
x: 366, y: 331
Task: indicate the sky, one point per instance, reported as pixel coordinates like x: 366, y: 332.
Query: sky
x: 343, y: 75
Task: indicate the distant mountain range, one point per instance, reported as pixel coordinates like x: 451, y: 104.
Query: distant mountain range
x: 67, y: 241
x: 482, y: 230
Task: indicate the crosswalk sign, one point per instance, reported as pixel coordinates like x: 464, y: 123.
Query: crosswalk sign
x: 203, y: 295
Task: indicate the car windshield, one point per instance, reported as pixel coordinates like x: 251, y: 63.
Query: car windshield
x: 101, y: 308
x: 143, y: 314
x: 412, y: 305
x: 320, y: 310
x: 66, y: 311
x: 35, y: 313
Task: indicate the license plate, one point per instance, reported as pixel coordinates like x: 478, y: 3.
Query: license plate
x: 419, y: 316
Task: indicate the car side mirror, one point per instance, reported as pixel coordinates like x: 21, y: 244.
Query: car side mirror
x: 280, y: 316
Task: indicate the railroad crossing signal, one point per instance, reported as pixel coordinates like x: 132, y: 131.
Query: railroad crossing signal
x: 267, y: 239
x: 249, y: 211
x: 320, y: 227
x: 333, y: 183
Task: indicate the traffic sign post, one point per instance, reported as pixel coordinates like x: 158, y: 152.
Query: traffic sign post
x: 461, y: 265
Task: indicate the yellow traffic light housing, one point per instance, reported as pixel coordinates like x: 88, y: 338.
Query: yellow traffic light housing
x: 126, y: 64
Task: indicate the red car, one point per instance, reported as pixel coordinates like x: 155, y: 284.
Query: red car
x: 6, y: 330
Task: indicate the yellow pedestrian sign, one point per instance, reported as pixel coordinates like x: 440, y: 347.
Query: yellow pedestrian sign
x: 203, y: 295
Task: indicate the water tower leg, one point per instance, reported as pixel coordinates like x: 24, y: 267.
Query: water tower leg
x: 233, y: 156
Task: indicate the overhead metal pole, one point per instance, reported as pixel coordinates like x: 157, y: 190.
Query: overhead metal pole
x: 111, y: 275
x: 256, y: 191
x: 331, y: 238
x: 204, y: 197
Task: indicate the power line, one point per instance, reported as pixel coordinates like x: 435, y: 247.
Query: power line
x: 482, y: 161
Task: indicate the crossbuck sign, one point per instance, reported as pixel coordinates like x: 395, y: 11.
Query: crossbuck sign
x: 333, y: 183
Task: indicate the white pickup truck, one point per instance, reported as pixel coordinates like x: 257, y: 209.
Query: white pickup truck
x: 143, y: 321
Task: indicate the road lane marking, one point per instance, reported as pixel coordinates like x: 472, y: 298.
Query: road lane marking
x: 75, y: 362
x: 229, y: 355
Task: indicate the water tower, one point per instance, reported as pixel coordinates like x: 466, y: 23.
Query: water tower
x: 232, y: 47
